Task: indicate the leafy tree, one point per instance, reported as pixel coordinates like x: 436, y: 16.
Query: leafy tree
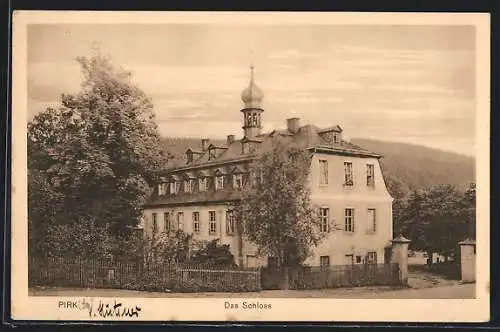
x: 43, y: 209
x: 84, y: 239
x: 468, y: 208
x: 275, y: 210
x: 438, y: 218
x: 98, y: 153
x: 213, y: 254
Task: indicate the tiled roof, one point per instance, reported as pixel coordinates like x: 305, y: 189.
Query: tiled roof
x: 307, y: 136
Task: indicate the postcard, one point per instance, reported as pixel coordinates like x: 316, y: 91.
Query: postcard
x: 250, y: 166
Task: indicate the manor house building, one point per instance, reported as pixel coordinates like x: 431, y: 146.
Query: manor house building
x: 346, y: 184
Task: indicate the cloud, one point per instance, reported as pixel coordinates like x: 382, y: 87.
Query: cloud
x: 36, y: 106
x: 61, y: 77
x: 411, y: 95
x: 182, y: 103
x: 305, y: 99
x: 293, y: 54
x: 157, y: 79
x: 195, y: 128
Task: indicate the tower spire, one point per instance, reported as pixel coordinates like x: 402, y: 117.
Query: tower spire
x: 252, y: 97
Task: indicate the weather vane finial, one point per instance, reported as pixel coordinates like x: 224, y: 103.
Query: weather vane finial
x: 251, y: 64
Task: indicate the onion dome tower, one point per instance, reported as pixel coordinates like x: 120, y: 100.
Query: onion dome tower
x: 252, y: 97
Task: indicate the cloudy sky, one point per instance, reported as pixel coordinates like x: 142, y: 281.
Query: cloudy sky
x: 411, y: 84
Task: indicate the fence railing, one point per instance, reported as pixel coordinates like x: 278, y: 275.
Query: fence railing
x: 316, y: 277
x: 65, y: 272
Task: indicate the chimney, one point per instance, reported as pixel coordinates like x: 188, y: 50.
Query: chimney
x: 204, y: 144
x: 230, y: 139
x: 292, y: 125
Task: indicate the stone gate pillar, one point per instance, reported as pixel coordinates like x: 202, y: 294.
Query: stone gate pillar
x: 468, y: 260
x: 400, y: 256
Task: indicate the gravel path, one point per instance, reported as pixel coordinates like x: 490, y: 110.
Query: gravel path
x: 439, y: 292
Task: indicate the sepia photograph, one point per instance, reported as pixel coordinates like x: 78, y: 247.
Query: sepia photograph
x: 229, y: 166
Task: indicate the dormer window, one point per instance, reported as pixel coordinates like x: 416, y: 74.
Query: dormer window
x: 211, y: 154
x: 203, y: 184
x: 175, y: 186
x: 238, y: 181
x: 188, y: 186
x: 203, y: 181
x: 219, y: 182
x: 162, y: 189
x: 331, y: 135
x: 189, y: 157
x: 336, y: 138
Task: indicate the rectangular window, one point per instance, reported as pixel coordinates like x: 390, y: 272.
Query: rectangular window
x: 323, y: 172
x: 324, y: 219
x: 155, y: 222
x: 371, y: 257
x: 348, y: 178
x: 372, y: 220
x: 229, y: 222
x: 335, y: 137
x: 349, y: 220
x: 254, y: 123
x: 219, y: 182
x: 238, y: 181
x: 370, y: 175
x: 213, y: 222
x: 166, y: 222
x: 324, y: 261
x: 349, y: 259
x: 196, y: 222
x: 180, y: 220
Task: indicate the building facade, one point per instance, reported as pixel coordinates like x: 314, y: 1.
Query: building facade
x: 346, y: 183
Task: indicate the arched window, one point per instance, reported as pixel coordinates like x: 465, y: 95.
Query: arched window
x: 254, y: 120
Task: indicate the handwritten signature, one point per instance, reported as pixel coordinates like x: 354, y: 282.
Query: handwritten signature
x: 104, y: 310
